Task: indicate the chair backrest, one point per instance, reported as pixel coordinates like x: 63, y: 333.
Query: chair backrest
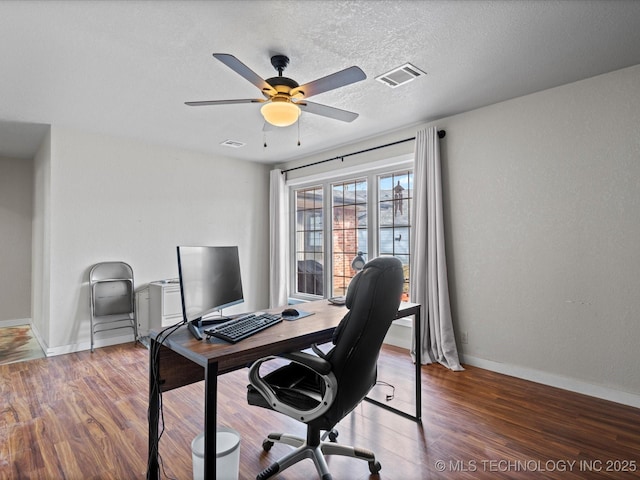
x: 112, y: 289
x: 110, y: 271
x: 373, y: 298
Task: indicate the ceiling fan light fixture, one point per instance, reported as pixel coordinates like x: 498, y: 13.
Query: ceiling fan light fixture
x: 280, y: 112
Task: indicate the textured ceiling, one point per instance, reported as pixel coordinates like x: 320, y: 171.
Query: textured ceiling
x: 126, y: 68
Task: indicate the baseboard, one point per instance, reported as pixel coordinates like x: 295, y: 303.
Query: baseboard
x: 399, y: 335
x: 36, y: 334
x: 79, y: 347
x: 558, y: 381
x: 15, y: 322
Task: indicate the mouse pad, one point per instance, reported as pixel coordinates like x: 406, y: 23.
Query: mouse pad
x: 302, y: 315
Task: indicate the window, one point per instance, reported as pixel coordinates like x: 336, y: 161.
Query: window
x: 349, y: 230
x: 395, y: 194
x: 369, y: 215
x: 309, y: 244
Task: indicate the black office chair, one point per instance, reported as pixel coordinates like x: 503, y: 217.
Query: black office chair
x: 321, y: 390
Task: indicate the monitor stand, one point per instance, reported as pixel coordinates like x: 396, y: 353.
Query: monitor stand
x: 214, y: 319
x: 193, y: 328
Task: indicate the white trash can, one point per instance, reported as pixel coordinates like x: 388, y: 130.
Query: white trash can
x: 227, y: 455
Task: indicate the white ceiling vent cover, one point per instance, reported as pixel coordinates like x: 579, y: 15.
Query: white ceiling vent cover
x: 232, y: 144
x: 400, y: 76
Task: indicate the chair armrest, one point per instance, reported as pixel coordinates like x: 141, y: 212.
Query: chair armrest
x: 318, y: 352
x: 317, y: 364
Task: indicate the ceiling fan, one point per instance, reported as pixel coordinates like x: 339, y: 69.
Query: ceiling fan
x: 284, y: 97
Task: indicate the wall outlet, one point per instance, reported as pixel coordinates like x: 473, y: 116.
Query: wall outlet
x: 464, y: 337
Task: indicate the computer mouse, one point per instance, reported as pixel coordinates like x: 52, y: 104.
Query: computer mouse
x: 290, y: 312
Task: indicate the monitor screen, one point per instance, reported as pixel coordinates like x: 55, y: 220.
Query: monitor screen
x: 209, y: 280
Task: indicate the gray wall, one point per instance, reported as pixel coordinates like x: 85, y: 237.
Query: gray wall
x: 542, y: 217
x: 16, y: 210
x: 544, y: 220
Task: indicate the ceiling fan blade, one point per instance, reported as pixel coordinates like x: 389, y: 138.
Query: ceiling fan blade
x: 330, y: 82
x: 241, y: 69
x: 224, y: 102
x: 326, y: 111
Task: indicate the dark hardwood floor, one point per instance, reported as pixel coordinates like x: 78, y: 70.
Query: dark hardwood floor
x: 83, y: 416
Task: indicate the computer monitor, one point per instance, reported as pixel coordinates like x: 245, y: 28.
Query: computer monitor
x: 209, y: 281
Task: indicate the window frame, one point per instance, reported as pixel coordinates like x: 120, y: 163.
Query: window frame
x: 369, y: 172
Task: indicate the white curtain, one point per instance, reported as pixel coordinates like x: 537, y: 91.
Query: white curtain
x: 429, y: 284
x: 279, y: 240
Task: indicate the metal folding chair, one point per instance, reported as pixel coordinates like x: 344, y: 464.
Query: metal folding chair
x: 112, y: 298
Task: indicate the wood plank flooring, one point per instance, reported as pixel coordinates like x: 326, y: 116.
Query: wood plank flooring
x: 84, y: 416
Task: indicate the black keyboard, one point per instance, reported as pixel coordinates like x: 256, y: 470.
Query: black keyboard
x: 243, y: 327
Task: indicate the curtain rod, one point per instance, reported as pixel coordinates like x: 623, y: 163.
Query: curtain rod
x: 441, y: 134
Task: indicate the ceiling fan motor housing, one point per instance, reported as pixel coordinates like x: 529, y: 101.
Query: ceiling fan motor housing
x: 276, y: 82
x: 280, y: 83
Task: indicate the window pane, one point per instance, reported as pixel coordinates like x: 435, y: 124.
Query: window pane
x: 385, y: 241
x: 385, y: 213
x: 405, y: 267
x: 349, y: 236
x: 361, y: 214
x: 349, y: 218
x: 400, y: 241
x: 338, y: 193
x: 402, y: 197
x: 362, y: 241
x: 395, y: 194
x: 386, y: 185
x: 309, y: 247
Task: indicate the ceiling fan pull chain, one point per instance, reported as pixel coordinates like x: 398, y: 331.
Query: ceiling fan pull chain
x: 298, y: 130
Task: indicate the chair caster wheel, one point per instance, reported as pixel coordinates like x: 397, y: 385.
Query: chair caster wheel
x: 266, y: 445
x: 374, y: 467
x: 332, y: 434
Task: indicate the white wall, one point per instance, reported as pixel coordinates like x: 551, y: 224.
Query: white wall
x: 543, y: 228
x: 16, y: 205
x: 41, y: 244
x: 118, y: 199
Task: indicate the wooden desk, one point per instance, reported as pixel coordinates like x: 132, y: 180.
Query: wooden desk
x: 181, y: 360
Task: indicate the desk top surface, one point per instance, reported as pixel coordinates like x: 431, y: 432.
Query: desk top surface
x: 286, y: 336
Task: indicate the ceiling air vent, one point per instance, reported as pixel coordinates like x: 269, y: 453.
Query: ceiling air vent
x: 400, y: 76
x: 232, y: 144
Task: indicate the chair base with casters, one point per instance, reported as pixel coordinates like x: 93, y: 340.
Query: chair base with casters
x: 314, y: 449
x: 320, y: 389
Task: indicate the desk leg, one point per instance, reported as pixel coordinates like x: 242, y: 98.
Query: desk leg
x: 416, y: 329
x: 210, y: 420
x: 154, y: 413
x: 418, y: 370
